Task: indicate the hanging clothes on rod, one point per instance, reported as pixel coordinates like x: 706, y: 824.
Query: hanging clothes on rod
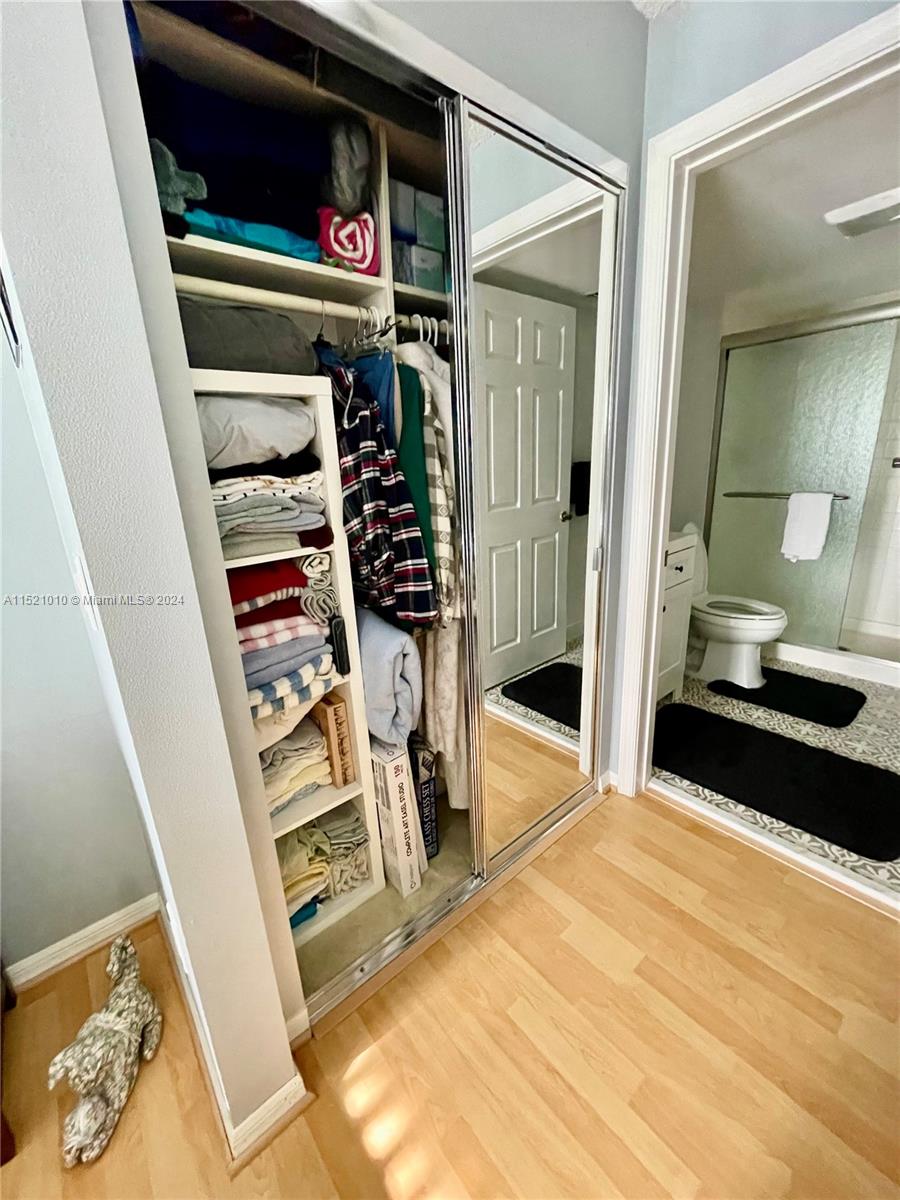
x: 391, y: 572
x: 443, y: 717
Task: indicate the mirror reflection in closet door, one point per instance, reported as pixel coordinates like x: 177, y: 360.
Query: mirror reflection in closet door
x: 536, y: 252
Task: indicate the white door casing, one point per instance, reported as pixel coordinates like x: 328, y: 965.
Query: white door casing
x: 524, y: 403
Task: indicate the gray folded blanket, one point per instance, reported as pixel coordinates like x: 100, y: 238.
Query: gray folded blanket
x: 283, y: 652
x: 278, y: 670
x: 239, y: 337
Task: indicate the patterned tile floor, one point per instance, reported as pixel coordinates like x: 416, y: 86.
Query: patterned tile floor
x: 874, y: 737
x: 573, y: 654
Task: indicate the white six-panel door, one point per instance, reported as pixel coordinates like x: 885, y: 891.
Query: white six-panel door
x: 524, y: 397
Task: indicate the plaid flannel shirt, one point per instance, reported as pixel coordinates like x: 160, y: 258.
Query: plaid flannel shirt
x: 387, y: 555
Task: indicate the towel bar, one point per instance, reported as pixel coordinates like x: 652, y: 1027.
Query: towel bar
x: 776, y: 495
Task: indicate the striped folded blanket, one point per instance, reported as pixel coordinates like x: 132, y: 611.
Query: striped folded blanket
x: 289, y: 691
x: 303, y: 625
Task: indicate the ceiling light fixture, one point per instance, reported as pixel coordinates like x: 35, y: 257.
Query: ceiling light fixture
x: 874, y: 212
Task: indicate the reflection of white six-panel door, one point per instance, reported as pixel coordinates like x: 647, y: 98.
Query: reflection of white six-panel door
x: 525, y: 376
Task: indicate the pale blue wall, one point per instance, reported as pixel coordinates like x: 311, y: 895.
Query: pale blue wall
x: 581, y: 60
x: 73, y: 843
x: 699, y: 53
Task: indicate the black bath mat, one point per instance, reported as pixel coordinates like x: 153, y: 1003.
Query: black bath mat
x: 553, y: 690
x: 851, y: 804
x: 798, y: 696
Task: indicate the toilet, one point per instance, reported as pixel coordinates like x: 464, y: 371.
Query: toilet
x: 733, y: 629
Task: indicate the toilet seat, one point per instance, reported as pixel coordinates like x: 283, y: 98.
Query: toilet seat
x: 735, y: 610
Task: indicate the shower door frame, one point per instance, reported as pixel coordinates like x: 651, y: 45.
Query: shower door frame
x: 867, y: 314
x: 849, y: 662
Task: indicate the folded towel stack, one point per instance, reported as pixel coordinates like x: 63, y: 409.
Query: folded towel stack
x: 295, y: 766
x: 323, y: 859
x: 349, y: 861
x: 303, y: 861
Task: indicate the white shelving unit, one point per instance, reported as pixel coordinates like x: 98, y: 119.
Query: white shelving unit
x: 300, y: 812
x: 333, y: 911
x: 219, y: 270
x: 278, y: 556
x: 410, y: 299
x: 212, y: 259
x: 315, y: 390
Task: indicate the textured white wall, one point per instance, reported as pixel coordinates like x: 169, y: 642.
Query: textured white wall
x: 703, y: 50
x: 66, y: 242
x: 873, y: 600
x: 73, y: 844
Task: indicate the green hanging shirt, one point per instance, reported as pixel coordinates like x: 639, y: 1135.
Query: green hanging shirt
x: 411, y: 453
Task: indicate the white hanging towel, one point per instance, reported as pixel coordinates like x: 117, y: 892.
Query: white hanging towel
x: 806, y: 527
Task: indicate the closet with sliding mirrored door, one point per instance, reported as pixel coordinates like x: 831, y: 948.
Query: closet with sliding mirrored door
x: 383, y: 324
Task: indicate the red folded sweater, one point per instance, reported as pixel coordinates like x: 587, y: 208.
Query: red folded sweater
x: 246, y: 583
x: 270, y: 612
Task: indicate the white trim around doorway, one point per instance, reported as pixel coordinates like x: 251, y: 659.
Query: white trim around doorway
x: 846, y: 65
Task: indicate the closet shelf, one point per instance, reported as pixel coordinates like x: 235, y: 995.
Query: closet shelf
x: 212, y: 259
x: 256, y: 559
x: 307, y: 808
x: 333, y: 911
x: 408, y: 298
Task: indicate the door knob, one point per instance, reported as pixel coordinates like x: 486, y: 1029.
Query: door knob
x: 565, y: 515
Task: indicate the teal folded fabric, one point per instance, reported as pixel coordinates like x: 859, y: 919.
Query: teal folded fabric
x: 248, y: 233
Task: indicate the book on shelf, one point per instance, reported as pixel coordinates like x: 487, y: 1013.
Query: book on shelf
x: 395, y: 800
x: 333, y: 720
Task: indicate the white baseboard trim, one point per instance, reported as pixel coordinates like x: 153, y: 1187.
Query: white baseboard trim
x: 297, y: 1026
x: 244, y: 1137
x: 841, y: 881
x: 84, y: 941
x: 842, y: 662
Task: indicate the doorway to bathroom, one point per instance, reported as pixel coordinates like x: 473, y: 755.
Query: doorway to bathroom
x: 774, y: 664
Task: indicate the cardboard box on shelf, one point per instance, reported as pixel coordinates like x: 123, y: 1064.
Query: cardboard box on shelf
x: 395, y: 799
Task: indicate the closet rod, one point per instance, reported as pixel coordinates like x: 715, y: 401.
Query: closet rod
x: 217, y: 289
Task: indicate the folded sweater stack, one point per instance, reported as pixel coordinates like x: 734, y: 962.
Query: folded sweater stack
x: 295, y: 766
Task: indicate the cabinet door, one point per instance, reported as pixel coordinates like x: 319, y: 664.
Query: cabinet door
x: 676, y: 618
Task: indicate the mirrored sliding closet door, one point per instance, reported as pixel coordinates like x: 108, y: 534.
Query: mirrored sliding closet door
x: 542, y: 244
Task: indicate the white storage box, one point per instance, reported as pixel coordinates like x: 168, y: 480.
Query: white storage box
x: 398, y: 817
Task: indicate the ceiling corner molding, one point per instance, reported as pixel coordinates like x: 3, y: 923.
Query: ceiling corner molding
x: 653, y: 8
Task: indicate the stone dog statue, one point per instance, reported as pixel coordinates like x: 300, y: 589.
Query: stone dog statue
x: 102, y: 1063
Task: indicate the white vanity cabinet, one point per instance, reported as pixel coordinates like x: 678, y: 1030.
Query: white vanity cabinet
x: 676, y: 612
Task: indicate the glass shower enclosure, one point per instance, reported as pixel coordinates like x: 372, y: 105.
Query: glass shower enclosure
x: 809, y: 412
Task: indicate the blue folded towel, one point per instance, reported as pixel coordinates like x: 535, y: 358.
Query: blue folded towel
x: 249, y: 233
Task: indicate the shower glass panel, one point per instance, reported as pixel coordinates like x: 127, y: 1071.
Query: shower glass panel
x: 798, y: 415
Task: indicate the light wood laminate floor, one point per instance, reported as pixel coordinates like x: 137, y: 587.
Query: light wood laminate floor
x: 525, y: 777
x: 650, y: 1009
